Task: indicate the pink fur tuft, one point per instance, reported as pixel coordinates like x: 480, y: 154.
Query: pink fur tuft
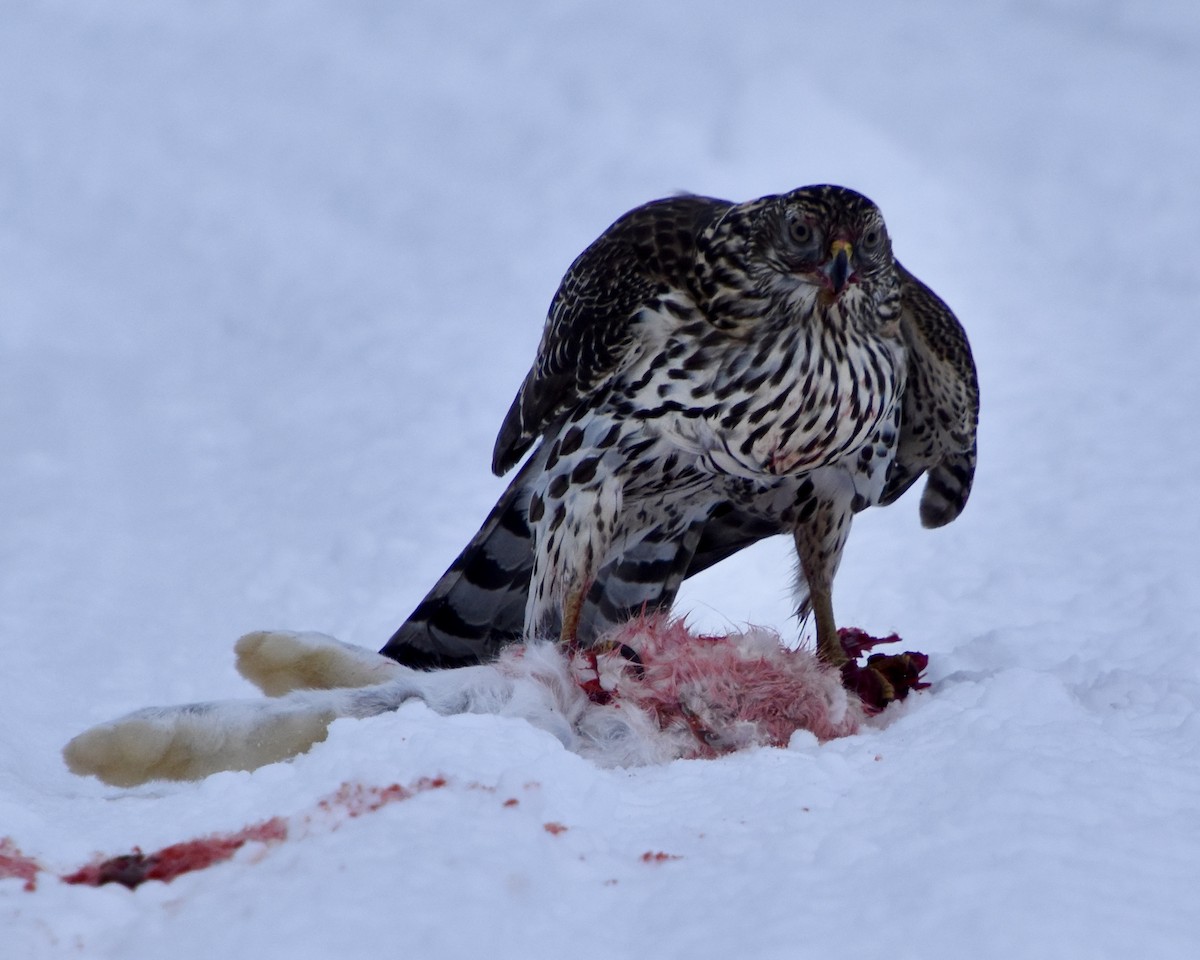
x: 718, y: 693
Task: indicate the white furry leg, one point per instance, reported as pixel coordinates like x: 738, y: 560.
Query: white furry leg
x: 195, y: 740
x: 307, y: 673
x: 192, y: 741
x: 280, y: 661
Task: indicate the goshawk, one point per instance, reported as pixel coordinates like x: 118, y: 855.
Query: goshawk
x: 710, y: 373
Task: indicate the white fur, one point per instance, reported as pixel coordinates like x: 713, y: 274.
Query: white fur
x: 195, y: 740
x: 315, y: 679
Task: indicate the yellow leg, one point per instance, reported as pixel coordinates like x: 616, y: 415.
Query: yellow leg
x: 829, y: 647
x: 819, y: 540
x: 572, y: 608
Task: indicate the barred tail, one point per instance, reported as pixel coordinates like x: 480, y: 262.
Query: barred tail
x: 643, y: 577
x: 947, y: 489
x: 478, y: 604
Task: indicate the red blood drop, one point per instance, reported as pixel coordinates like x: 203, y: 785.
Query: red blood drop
x: 133, y: 869
x: 13, y: 863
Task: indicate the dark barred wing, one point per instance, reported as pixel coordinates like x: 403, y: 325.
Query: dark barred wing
x: 940, y: 409
x: 591, y: 325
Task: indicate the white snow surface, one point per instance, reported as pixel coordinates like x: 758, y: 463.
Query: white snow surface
x: 270, y: 274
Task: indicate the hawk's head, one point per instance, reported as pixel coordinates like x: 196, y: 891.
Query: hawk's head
x: 823, y: 241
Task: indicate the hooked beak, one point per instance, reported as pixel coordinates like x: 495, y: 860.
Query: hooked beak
x: 837, y: 270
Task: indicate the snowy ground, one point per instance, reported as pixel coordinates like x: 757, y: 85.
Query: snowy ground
x: 269, y: 276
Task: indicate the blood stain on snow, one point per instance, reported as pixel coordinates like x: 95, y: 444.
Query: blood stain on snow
x: 652, y: 856
x: 13, y: 863
x: 510, y: 802
x: 553, y: 828
x: 133, y: 869
x: 355, y: 799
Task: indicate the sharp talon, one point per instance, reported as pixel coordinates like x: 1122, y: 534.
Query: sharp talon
x: 634, y: 658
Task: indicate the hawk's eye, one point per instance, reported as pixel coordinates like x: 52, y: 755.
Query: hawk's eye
x: 872, y: 240
x: 800, y: 233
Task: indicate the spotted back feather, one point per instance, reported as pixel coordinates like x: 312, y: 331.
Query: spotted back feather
x: 591, y: 321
